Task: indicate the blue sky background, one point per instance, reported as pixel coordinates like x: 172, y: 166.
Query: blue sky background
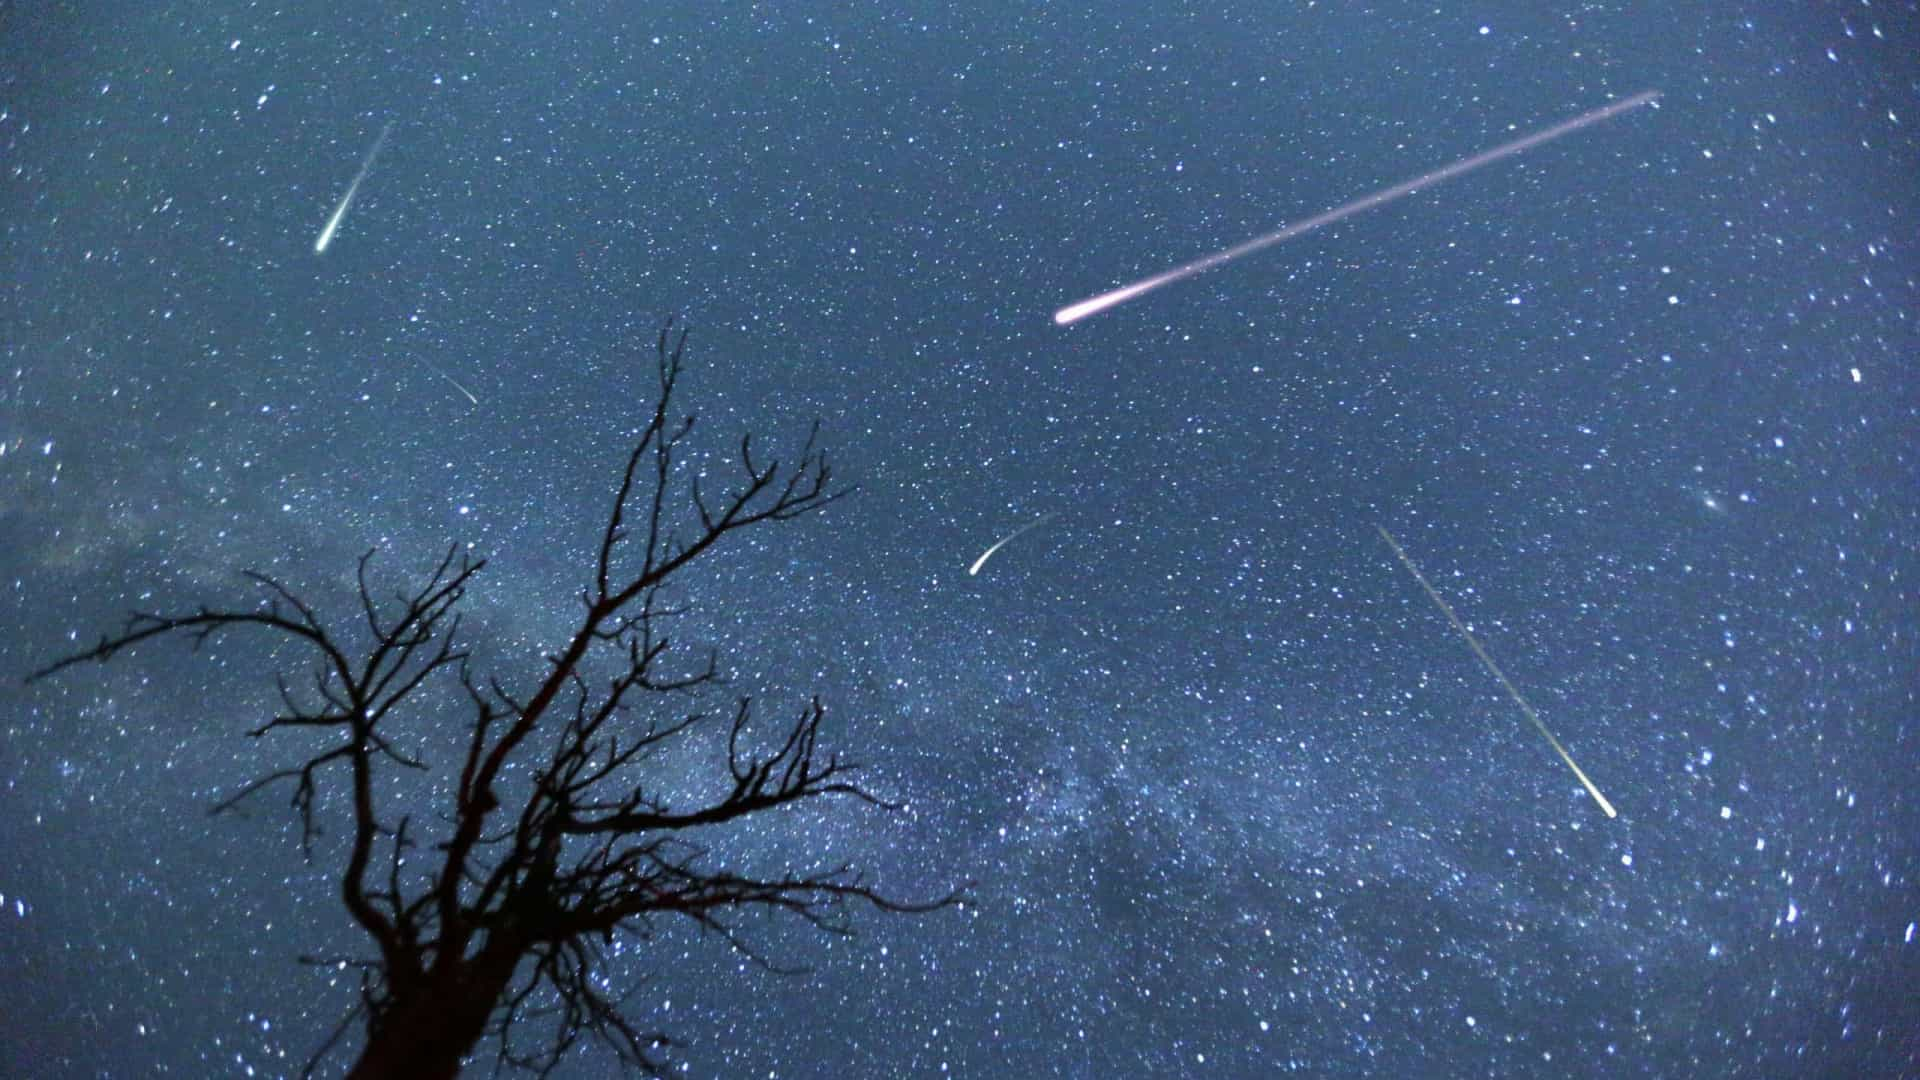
x: 1238, y: 802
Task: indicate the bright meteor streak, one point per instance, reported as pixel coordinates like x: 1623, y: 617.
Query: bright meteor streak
x: 1010, y: 538
x: 1094, y: 305
x: 1494, y: 668
x: 340, y: 211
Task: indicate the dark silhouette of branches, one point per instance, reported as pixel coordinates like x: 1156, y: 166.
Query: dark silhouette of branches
x: 553, y: 845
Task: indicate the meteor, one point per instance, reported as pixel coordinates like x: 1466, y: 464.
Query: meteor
x: 1494, y: 668
x: 455, y: 382
x: 1010, y: 538
x: 340, y: 211
x: 1073, y: 313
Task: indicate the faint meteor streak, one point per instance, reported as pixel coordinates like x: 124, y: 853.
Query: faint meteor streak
x: 1010, y: 538
x: 456, y: 384
x: 1473, y: 643
x: 340, y: 211
x: 1094, y: 305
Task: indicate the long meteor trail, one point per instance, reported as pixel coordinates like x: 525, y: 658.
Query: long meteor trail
x: 1473, y: 643
x: 1095, y: 305
x: 340, y: 211
x: 1011, y: 537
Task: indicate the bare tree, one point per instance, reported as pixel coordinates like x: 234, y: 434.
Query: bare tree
x: 500, y: 923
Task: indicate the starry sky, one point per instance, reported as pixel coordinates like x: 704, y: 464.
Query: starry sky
x: 1236, y: 800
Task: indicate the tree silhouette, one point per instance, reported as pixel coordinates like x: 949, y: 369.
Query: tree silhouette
x: 552, y: 843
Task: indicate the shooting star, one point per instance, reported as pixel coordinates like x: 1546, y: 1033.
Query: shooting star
x: 340, y: 211
x: 455, y: 382
x: 1010, y: 538
x: 1494, y: 668
x: 1073, y: 313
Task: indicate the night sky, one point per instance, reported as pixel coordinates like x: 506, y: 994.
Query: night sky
x: 1235, y: 798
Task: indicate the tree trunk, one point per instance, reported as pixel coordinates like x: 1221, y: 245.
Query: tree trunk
x: 431, y: 1027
